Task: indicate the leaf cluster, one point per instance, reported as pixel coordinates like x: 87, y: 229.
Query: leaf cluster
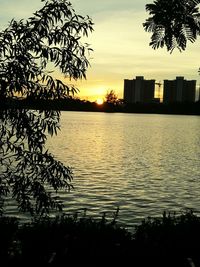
x: 173, y: 23
x: 51, y: 37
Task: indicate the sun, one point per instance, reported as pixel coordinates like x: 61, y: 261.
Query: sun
x: 99, y: 101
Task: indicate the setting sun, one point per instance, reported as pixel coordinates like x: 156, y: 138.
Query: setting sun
x: 99, y: 101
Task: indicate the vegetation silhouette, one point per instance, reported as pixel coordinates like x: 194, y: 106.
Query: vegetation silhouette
x: 111, y: 97
x: 173, y: 23
x: 28, y: 51
x: 76, y: 104
x: 79, y: 240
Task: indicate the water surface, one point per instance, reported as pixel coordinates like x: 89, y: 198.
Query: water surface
x: 143, y: 163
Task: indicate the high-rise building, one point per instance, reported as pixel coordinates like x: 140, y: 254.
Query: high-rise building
x: 179, y: 90
x: 139, y: 90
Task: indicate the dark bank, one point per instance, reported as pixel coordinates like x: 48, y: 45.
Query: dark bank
x: 171, y: 240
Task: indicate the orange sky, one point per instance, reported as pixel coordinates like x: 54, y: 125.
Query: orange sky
x: 121, y: 49
x: 121, y: 46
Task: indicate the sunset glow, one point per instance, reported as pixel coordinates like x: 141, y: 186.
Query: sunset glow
x: 120, y: 46
x: 99, y: 101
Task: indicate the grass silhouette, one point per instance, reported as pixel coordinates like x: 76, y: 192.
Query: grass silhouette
x: 72, y: 240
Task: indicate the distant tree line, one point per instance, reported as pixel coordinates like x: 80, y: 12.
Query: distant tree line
x: 76, y: 104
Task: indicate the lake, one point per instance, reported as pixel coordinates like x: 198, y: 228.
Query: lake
x: 144, y: 164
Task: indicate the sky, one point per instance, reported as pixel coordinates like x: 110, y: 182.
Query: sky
x: 120, y: 44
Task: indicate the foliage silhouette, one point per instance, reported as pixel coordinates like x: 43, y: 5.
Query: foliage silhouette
x: 111, y: 97
x: 173, y: 23
x: 50, y: 39
x: 79, y: 240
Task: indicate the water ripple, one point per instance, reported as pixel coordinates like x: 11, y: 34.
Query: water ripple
x: 144, y: 164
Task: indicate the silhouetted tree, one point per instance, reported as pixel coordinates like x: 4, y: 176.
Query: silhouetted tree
x: 28, y: 172
x: 173, y: 23
x: 111, y: 97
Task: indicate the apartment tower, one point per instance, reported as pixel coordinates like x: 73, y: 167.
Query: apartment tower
x: 179, y: 90
x: 139, y: 90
